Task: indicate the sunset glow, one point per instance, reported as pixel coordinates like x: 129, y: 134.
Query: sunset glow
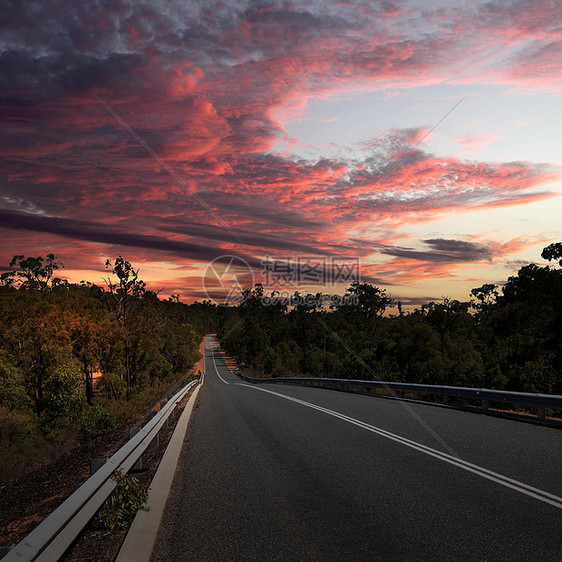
x: 421, y: 139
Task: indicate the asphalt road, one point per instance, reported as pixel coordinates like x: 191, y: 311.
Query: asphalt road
x: 273, y: 472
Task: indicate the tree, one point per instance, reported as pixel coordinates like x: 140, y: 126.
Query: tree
x: 33, y: 273
x: 369, y: 300
x: 533, y: 284
x: 128, y: 287
x: 305, y: 306
x: 252, y: 298
x: 553, y: 252
x: 55, y: 336
x: 125, y: 292
x: 84, y: 333
x: 486, y: 296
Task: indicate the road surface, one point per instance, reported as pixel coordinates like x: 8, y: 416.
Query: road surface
x: 274, y: 472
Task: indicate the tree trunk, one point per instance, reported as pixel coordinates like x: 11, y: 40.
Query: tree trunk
x: 88, y: 373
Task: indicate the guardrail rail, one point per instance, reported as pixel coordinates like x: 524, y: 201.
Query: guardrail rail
x: 412, y: 391
x: 51, y: 538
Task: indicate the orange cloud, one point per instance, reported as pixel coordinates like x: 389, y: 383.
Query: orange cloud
x: 209, y: 90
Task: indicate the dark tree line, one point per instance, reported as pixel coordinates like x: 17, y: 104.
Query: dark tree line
x: 504, y: 338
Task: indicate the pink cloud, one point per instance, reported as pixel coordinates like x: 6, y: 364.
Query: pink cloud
x: 474, y: 142
x: 208, y: 90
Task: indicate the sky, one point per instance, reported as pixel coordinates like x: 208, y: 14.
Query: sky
x: 414, y: 145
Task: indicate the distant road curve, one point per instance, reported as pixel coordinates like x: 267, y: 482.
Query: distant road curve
x: 308, y: 474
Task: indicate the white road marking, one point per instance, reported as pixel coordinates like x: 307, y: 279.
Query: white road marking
x: 216, y: 369
x: 536, y: 493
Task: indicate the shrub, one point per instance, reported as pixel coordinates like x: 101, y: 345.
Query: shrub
x: 128, y: 497
x: 111, y: 384
x: 20, y: 442
x: 12, y: 387
x: 14, y: 425
x: 281, y: 371
x: 65, y: 398
x: 96, y: 421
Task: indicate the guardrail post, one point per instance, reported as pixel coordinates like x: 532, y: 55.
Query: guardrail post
x: 445, y: 399
x: 541, y: 412
x: 137, y: 467
x: 96, y: 464
x: 169, y: 420
x: 484, y: 403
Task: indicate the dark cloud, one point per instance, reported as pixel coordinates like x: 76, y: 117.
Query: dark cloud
x: 416, y: 301
x: 264, y: 211
x: 254, y: 239
x: 443, y: 251
x: 95, y: 232
x: 469, y: 251
x: 516, y: 264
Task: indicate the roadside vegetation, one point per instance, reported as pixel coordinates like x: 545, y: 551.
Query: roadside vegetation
x: 77, y: 360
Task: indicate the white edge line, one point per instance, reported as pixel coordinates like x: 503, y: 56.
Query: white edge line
x: 216, y: 369
x: 521, y: 487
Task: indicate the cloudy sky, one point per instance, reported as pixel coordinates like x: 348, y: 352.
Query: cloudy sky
x: 418, y: 141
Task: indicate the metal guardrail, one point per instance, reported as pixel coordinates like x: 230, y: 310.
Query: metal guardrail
x: 484, y: 395
x: 51, y: 538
